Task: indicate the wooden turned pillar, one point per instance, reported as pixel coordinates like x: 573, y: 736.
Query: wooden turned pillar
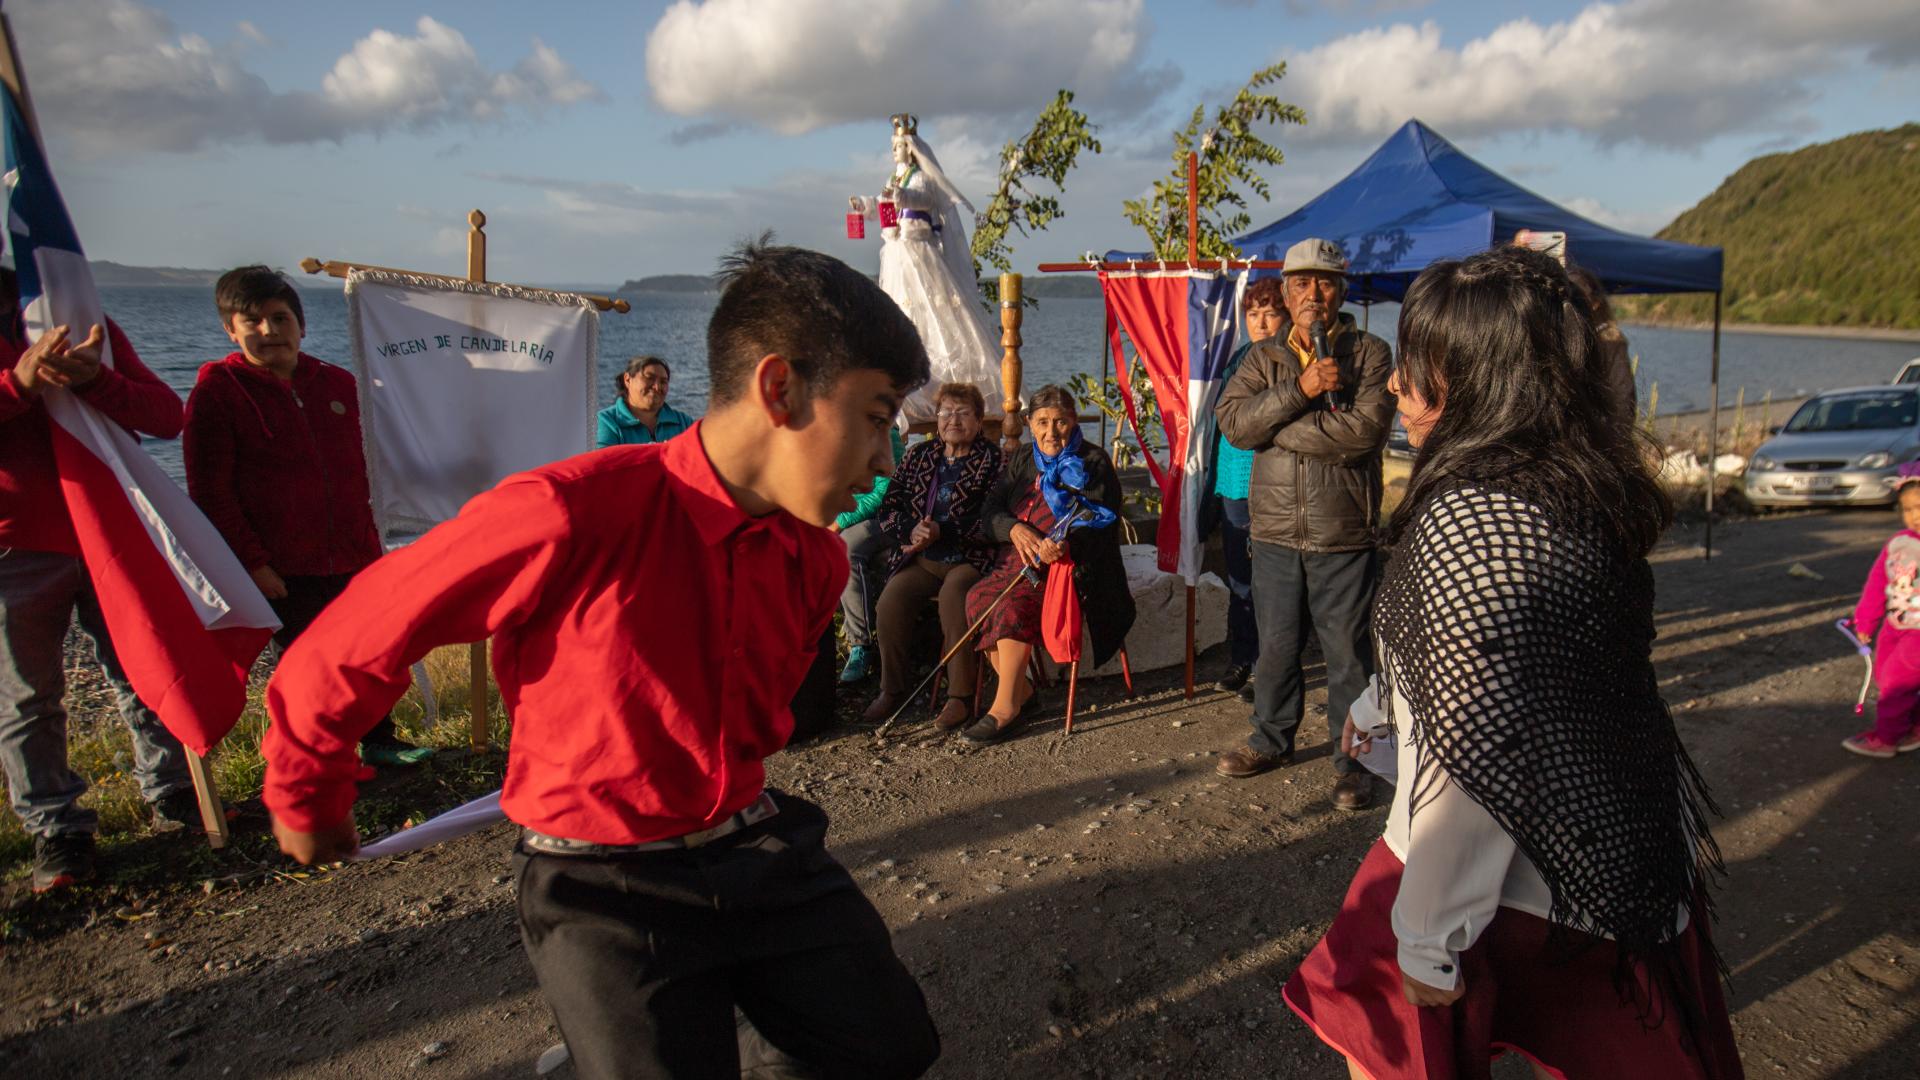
x: 1010, y: 366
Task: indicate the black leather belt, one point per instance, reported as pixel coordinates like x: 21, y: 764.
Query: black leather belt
x: 755, y: 812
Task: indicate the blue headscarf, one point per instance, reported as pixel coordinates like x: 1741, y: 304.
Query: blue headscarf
x: 1065, y: 470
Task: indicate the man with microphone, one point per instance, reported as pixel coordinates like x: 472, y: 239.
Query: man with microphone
x: 1312, y: 402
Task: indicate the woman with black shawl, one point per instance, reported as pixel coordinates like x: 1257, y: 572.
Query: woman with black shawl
x: 1541, y: 885
x: 1056, y: 502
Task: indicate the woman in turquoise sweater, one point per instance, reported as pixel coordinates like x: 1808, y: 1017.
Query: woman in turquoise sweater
x: 864, y: 541
x: 1233, y: 471
x: 642, y: 414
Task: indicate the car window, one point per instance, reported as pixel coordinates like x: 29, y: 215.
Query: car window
x: 1909, y: 374
x: 1857, y: 412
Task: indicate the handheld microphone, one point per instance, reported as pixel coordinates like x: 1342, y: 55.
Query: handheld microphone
x: 1321, y: 350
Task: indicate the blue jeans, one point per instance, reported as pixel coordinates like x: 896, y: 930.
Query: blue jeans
x: 1331, y: 594
x: 40, y: 592
x: 1236, y: 543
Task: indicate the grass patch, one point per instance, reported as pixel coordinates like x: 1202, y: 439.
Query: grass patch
x: 100, y: 750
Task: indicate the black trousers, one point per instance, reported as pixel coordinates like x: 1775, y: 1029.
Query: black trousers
x: 307, y: 596
x: 1331, y: 594
x: 645, y: 957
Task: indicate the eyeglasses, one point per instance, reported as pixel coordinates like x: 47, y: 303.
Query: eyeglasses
x: 954, y: 414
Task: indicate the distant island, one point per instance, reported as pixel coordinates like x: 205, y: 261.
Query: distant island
x: 113, y: 274
x: 1827, y: 235
x: 669, y: 283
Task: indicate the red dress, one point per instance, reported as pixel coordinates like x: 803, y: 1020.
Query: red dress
x: 1018, y: 616
x: 1566, y: 1017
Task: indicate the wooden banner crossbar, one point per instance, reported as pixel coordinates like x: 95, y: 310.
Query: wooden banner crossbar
x: 340, y: 268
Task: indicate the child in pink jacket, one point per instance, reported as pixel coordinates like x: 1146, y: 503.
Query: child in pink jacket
x: 1890, y: 610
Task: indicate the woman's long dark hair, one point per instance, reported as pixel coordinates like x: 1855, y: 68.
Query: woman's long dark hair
x: 1506, y: 347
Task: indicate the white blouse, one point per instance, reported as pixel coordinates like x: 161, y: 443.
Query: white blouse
x: 1460, y: 868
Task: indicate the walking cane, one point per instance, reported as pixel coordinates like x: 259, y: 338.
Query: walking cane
x: 1026, y: 574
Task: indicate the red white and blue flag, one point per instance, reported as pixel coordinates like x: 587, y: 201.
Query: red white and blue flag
x: 1181, y: 324
x: 184, y: 616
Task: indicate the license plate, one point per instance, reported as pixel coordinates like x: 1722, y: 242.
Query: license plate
x: 1813, y: 483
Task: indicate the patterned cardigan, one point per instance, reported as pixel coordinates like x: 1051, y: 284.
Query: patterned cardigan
x: 907, y: 499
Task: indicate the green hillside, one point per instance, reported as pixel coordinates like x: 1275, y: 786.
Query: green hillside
x: 1828, y: 235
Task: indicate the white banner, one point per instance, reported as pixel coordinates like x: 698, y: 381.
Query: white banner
x: 462, y: 385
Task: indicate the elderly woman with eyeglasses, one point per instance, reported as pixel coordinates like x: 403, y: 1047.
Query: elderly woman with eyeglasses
x: 932, y: 512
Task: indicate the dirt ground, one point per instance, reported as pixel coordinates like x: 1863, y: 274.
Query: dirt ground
x: 1096, y: 906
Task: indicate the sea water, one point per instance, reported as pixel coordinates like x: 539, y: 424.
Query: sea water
x: 176, y: 329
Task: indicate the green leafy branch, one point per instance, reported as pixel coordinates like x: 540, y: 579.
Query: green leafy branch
x: 1104, y: 394
x: 1231, y: 154
x: 1048, y: 153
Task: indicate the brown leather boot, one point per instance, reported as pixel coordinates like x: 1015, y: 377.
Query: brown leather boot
x: 956, y: 712
x: 1244, y: 761
x: 1354, y: 790
x: 882, y: 707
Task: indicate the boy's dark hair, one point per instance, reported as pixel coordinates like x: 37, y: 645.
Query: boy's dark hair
x: 823, y: 316
x: 245, y: 290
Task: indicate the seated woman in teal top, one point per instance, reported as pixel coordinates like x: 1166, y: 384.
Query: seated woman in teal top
x: 642, y: 414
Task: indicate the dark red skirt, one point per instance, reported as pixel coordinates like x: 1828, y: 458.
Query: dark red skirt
x: 1565, y: 1016
x: 1018, y: 614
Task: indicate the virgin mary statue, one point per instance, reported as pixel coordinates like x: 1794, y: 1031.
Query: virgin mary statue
x: 927, y: 267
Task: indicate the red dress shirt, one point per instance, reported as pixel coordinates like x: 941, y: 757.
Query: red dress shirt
x: 648, y: 637
x: 33, y: 510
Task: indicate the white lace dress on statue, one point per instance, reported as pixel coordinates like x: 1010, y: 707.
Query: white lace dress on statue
x: 926, y: 266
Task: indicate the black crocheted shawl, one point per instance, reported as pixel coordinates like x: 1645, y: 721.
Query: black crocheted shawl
x: 1523, y: 646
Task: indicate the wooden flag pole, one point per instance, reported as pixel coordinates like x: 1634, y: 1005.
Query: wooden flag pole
x: 1193, y: 256
x: 213, y: 813
x: 477, y: 652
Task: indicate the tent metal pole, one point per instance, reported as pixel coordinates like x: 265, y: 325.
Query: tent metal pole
x: 1713, y: 426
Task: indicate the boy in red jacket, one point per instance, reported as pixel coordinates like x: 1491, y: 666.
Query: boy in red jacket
x: 274, y: 460
x: 653, y: 608
x: 44, y: 585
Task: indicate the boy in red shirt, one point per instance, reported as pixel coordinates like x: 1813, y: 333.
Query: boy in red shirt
x: 653, y: 608
x: 274, y: 459
x: 44, y: 585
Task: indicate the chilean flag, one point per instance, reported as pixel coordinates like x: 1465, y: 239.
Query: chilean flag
x: 185, y: 617
x: 1181, y: 324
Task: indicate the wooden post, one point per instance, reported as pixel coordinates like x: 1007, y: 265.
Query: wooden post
x: 1193, y: 256
x: 213, y: 813
x: 477, y: 652
x: 1011, y: 369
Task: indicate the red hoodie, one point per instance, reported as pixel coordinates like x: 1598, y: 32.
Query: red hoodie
x: 278, y: 467
x: 33, y: 512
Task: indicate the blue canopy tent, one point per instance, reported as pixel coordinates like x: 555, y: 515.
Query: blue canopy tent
x: 1419, y: 200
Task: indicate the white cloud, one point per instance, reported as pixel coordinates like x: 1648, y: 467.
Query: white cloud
x: 1645, y: 221
x: 1663, y: 72
x: 114, y: 75
x: 797, y: 65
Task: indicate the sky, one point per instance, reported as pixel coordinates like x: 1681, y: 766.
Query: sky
x: 607, y: 141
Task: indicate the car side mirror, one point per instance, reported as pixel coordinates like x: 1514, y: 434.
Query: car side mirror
x: 1775, y: 429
